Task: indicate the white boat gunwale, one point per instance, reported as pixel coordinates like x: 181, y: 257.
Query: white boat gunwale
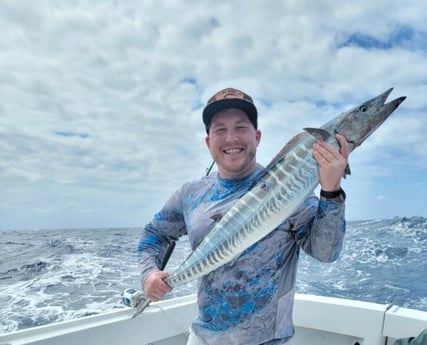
x: 318, y: 320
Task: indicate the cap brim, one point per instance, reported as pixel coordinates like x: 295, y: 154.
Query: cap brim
x: 220, y: 105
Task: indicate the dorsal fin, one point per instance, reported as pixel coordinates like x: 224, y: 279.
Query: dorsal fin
x: 285, y: 150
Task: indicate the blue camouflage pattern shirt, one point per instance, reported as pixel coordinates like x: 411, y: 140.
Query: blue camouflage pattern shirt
x: 250, y: 300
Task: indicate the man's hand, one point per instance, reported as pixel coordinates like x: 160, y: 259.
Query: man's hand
x: 332, y: 163
x: 154, y: 285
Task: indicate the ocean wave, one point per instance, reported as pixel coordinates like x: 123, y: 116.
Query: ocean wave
x: 54, y: 275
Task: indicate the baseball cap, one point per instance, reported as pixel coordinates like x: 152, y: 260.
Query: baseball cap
x: 230, y: 98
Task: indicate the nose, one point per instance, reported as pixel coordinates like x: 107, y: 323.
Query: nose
x: 231, y: 136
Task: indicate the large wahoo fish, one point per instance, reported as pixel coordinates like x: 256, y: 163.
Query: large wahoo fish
x: 289, y: 179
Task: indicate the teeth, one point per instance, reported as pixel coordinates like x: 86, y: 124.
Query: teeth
x: 233, y: 151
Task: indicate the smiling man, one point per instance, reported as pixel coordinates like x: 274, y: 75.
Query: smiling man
x: 232, y: 141
x: 250, y: 300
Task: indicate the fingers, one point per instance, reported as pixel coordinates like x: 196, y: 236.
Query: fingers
x: 155, y: 287
x: 332, y: 162
x: 325, y: 152
x: 344, y: 148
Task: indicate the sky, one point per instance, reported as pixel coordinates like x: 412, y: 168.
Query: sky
x: 101, y: 101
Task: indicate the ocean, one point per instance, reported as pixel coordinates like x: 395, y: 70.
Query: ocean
x: 52, y: 275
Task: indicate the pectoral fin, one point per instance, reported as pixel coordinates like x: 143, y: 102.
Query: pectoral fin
x: 318, y: 133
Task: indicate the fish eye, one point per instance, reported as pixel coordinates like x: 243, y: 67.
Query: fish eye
x: 363, y: 108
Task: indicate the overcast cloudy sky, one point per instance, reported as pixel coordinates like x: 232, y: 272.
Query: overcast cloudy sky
x: 101, y: 101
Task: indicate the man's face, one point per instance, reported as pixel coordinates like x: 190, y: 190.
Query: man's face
x: 232, y: 141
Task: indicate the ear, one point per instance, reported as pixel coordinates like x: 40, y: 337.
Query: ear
x: 258, y: 136
x: 207, y: 141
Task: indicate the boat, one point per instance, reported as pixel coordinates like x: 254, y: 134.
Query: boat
x: 318, y: 320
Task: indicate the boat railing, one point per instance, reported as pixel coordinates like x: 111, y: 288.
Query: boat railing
x: 318, y: 320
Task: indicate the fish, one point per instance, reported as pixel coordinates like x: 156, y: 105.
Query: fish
x: 288, y: 180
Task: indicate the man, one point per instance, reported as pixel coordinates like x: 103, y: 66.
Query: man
x: 250, y: 300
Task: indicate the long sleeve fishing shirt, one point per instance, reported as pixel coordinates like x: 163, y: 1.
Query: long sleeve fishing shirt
x: 250, y: 300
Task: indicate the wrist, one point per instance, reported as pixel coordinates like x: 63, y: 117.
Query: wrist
x: 333, y: 194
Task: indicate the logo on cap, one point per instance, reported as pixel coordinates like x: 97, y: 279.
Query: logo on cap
x: 230, y: 93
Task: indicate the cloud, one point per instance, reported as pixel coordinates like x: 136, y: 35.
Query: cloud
x: 101, y: 102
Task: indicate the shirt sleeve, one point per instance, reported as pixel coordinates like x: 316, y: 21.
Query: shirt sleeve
x: 166, y: 226
x: 319, y: 228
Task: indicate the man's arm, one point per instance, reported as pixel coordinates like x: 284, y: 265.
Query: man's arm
x: 321, y: 227
x: 165, y: 228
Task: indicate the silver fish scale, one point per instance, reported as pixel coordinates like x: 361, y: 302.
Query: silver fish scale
x: 256, y: 214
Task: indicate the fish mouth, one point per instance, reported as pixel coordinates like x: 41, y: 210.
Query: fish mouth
x: 385, y: 109
x: 390, y: 106
x: 383, y: 97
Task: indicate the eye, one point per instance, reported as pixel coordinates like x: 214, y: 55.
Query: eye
x: 363, y: 108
